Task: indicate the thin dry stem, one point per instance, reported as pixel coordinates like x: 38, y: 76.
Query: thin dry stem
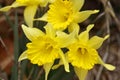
x: 107, y: 16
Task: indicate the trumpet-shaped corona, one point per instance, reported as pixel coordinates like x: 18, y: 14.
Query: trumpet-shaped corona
x: 63, y: 13
x: 44, y: 48
x: 83, y: 55
x: 60, y: 14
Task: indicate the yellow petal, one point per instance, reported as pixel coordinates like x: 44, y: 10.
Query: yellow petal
x: 22, y: 56
x: 81, y: 73
x: 107, y: 66
x: 51, y: 1
x: 47, y: 68
x: 29, y: 14
x: 49, y: 30
x: 14, y: 5
x: 44, y: 3
x: 60, y: 62
x: 5, y: 9
x: 90, y: 27
x: 32, y: 33
x: 77, y: 4
x: 83, y: 15
x: 74, y: 26
x: 64, y: 60
x: 84, y: 36
x: 96, y: 41
x: 17, y: 4
x: 65, y: 39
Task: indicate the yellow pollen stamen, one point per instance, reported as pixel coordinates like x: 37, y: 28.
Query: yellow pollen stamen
x: 49, y: 47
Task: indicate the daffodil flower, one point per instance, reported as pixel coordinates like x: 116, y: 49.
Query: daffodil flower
x: 44, y: 48
x: 30, y: 10
x: 66, y: 13
x: 83, y: 53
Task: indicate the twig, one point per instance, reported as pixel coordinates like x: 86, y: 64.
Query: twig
x: 31, y: 72
x: 108, y: 41
x: 98, y: 17
x: 107, y: 4
x: 39, y: 74
x: 19, y: 71
x: 114, y: 16
x: 6, y: 49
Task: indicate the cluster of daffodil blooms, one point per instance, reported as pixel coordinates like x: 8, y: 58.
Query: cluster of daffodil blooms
x: 45, y: 47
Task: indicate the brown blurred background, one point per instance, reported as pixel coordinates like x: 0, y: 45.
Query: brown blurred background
x: 107, y: 21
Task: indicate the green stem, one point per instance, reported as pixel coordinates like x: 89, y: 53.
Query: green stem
x: 14, y: 75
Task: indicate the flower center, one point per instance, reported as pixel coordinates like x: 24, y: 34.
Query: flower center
x: 42, y: 50
x: 48, y: 47
x: 82, y: 51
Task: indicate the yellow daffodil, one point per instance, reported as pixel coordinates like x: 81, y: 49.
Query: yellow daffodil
x: 44, y: 48
x: 65, y: 13
x: 83, y: 55
x: 30, y: 10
